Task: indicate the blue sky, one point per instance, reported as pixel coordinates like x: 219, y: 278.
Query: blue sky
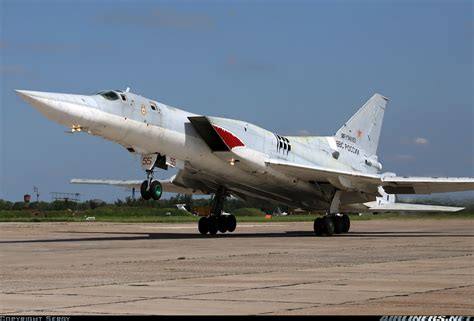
x: 295, y: 67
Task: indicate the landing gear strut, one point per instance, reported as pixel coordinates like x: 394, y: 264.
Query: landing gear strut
x: 333, y: 222
x: 150, y: 188
x: 216, y: 221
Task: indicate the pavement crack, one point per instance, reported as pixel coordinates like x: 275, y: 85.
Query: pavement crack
x: 362, y: 302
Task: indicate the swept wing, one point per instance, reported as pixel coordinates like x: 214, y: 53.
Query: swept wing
x: 167, y: 184
x: 351, y: 180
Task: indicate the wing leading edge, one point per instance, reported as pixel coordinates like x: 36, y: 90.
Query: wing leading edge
x: 167, y: 184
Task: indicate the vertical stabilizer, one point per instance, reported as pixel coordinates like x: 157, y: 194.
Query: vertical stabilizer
x: 363, y: 128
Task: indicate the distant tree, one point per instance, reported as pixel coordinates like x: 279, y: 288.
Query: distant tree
x: 6, y: 205
x: 130, y: 201
x: 96, y: 203
x: 18, y: 206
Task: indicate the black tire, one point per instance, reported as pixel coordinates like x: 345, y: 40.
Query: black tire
x: 338, y: 224
x: 213, y: 228
x: 156, y: 190
x: 231, y: 223
x: 328, y: 224
x: 346, y: 223
x: 318, y: 226
x: 203, y: 225
x: 146, y: 195
x: 222, y: 223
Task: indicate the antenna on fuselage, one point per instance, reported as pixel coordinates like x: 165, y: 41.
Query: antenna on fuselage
x: 127, y: 90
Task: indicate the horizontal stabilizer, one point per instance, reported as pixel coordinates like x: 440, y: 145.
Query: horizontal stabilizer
x: 426, y: 185
x: 404, y: 207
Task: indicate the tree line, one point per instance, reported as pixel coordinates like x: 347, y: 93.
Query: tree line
x: 230, y: 205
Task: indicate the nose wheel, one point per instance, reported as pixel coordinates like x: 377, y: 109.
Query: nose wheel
x: 151, y: 189
x: 146, y: 194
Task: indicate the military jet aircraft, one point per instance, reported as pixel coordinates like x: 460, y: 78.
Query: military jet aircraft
x: 338, y: 174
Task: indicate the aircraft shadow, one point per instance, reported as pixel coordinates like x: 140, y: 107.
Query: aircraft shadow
x: 195, y: 235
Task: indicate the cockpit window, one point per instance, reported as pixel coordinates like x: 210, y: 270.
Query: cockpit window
x: 109, y: 95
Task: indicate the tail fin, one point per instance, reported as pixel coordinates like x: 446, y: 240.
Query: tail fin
x: 363, y: 128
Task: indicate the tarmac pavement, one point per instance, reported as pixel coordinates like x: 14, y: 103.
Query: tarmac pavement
x: 379, y: 267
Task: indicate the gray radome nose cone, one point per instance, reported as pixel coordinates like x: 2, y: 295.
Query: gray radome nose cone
x: 27, y: 95
x: 22, y: 93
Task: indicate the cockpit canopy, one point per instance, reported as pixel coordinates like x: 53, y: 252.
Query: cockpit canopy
x: 112, y: 94
x: 109, y: 95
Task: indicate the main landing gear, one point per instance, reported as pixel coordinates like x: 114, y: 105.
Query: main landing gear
x: 212, y: 224
x: 217, y: 221
x: 333, y: 222
x: 150, y: 188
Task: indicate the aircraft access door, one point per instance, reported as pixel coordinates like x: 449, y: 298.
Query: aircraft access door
x: 127, y: 105
x: 153, y: 113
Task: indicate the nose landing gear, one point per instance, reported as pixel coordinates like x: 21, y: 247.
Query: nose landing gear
x: 150, y: 188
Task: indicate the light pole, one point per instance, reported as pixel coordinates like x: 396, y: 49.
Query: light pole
x: 35, y: 189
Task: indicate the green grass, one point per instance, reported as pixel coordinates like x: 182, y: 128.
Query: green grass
x: 172, y: 215
x: 248, y: 212
x: 103, y: 214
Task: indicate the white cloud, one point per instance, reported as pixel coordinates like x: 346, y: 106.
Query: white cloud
x: 159, y: 18
x: 13, y: 70
x: 249, y: 65
x: 420, y: 141
x: 304, y: 132
x: 405, y: 157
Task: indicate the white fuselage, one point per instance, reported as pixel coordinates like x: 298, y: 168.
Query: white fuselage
x: 145, y: 126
